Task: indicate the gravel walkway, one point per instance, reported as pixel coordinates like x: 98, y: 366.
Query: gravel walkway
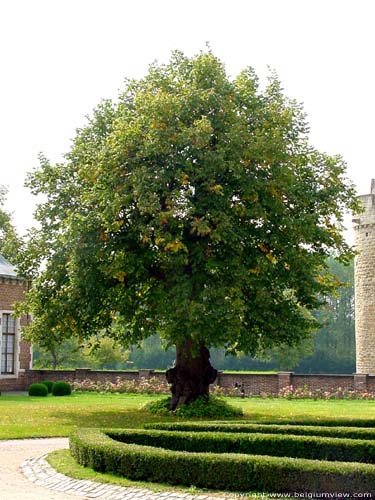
x: 26, y: 475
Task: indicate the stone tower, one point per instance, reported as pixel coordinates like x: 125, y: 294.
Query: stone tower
x: 364, y: 240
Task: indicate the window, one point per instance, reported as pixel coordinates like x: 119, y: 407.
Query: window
x: 8, y: 344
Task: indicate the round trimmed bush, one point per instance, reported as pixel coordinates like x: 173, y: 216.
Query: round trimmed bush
x: 61, y: 388
x: 48, y: 384
x: 38, y: 390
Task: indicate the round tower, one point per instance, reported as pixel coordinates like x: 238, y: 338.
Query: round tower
x: 364, y: 240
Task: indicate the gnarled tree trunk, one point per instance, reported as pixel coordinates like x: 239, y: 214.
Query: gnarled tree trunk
x: 191, y: 375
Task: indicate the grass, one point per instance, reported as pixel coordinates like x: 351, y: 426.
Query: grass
x: 24, y: 416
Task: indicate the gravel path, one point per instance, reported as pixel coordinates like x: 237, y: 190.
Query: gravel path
x: 25, y: 475
x: 14, y: 485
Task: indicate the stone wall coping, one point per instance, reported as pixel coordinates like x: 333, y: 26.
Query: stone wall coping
x: 350, y: 375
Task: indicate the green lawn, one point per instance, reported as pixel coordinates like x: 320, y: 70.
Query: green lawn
x: 24, y: 416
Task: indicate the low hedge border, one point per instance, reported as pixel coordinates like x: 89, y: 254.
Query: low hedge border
x: 311, y: 447
x: 300, y: 430
x: 232, y: 472
x: 342, y: 422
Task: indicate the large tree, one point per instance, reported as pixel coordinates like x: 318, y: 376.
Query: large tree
x: 194, y: 207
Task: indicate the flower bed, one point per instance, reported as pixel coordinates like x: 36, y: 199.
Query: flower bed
x: 156, y: 385
x: 143, y: 385
x: 291, y: 392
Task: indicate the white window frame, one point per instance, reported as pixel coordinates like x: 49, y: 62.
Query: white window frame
x: 16, y: 345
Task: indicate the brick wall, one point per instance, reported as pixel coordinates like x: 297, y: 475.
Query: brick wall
x: 12, y: 290
x: 256, y: 384
x: 250, y: 384
x: 324, y: 382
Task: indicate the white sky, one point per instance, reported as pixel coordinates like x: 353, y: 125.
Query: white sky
x: 59, y: 58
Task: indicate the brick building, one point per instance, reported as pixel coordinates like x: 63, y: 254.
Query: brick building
x: 15, y: 353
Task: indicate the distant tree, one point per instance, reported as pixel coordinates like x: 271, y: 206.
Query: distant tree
x: 104, y: 353
x: 193, y: 207
x: 98, y: 352
x: 334, y: 344
x: 287, y: 357
x: 151, y: 354
x: 65, y: 354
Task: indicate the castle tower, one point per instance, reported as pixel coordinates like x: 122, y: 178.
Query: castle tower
x: 364, y: 240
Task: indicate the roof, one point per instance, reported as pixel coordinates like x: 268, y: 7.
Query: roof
x: 7, y: 270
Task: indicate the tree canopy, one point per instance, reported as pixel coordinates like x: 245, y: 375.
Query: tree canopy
x: 10, y: 242
x: 195, y: 207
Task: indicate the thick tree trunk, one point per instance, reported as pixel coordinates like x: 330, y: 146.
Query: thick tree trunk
x: 191, y: 375
x: 54, y: 359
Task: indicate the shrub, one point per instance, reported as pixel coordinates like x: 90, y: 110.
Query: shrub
x: 61, y: 388
x: 48, y: 384
x: 243, y: 427
x: 158, y: 407
x: 200, y: 408
x: 38, y: 390
x: 311, y: 447
x: 332, y: 422
x: 235, y: 472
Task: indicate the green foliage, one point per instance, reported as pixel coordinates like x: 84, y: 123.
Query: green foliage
x: 98, y: 352
x: 159, y: 407
x: 236, y: 472
x: 280, y: 445
x: 288, y: 357
x: 200, y: 408
x: 101, y: 352
x: 213, y: 408
x: 38, y: 390
x: 61, y: 388
x: 243, y: 427
x: 334, y: 344
x: 151, y: 353
x: 193, y: 207
x: 10, y: 242
x: 48, y: 384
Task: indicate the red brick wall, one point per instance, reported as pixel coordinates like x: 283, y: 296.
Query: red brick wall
x: 250, y: 384
x: 256, y: 384
x: 323, y: 382
x: 12, y: 291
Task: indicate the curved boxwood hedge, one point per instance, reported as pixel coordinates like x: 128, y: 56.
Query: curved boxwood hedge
x: 300, y: 430
x: 228, y: 471
x: 311, y: 447
x: 342, y: 422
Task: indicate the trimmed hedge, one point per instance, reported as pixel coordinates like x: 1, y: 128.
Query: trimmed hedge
x: 61, y: 388
x: 342, y: 422
x: 300, y: 430
x: 234, y: 472
x: 311, y: 447
x: 48, y: 384
x: 38, y: 390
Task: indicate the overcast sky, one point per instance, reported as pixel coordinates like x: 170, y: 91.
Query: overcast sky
x: 59, y: 58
